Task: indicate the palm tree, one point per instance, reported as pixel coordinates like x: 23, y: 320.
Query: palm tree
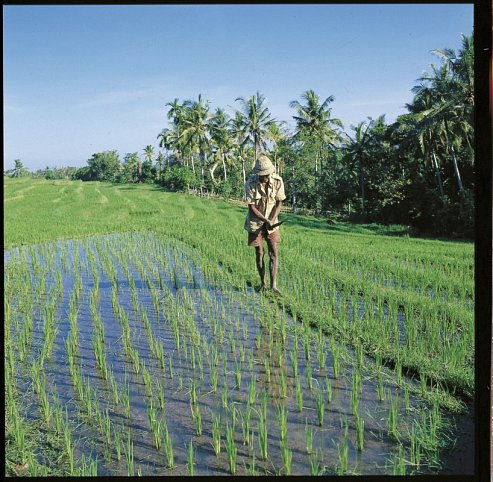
x: 19, y: 169
x: 195, y: 128
x: 219, y: 128
x: 357, y: 151
x: 451, y: 87
x: 427, y: 131
x: 275, y: 134
x: 255, y: 121
x: 315, y: 124
x: 239, y: 142
x: 160, y: 160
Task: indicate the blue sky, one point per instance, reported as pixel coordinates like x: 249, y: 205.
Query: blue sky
x: 88, y: 78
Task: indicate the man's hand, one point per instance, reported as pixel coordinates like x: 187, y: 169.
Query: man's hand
x: 268, y: 223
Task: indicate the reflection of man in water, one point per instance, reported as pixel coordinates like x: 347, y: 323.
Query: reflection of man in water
x: 264, y: 195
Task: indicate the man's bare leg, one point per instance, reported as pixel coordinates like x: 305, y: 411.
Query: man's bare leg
x: 259, y: 257
x: 273, y: 265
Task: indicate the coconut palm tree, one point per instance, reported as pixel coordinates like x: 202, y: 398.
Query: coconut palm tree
x: 357, y: 151
x: 255, y: 121
x: 275, y: 134
x: 451, y: 87
x: 219, y: 128
x: 315, y: 124
x: 195, y: 129
x: 427, y: 131
x: 160, y: 160
x: 19, y: 169
x: 239, y: 146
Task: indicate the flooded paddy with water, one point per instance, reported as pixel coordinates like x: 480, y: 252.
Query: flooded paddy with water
x: 142, y: 359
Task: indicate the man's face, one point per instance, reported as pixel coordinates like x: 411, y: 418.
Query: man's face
x: 263, y: 179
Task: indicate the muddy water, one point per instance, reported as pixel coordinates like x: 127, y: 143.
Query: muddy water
x: 244, y: 328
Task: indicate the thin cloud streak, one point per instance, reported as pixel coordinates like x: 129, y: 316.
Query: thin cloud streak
x: 118, y: 97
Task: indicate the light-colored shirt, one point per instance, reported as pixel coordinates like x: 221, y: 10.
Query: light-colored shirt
x: 263, y: 199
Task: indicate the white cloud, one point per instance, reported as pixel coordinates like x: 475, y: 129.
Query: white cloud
x: 117, y: 97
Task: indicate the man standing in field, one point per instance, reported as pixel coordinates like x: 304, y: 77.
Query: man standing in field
x: 264, y: 191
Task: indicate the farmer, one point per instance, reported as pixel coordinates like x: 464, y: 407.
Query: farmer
x: 264, y: 191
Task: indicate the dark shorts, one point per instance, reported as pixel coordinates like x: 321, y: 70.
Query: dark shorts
x: 257, y: 239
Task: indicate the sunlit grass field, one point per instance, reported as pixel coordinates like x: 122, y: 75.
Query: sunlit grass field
x: 407, y: 303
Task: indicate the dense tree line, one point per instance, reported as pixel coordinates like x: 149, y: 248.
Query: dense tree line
x: 418, y: 170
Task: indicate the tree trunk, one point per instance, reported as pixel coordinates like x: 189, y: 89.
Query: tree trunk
x: 454, y: 158
x: 193, y: 164
x: 224, y: 167
x: 212, y: 169
x: 438, y: 176
x: 244, y: 177
x: 456, y: 169
x: 362, y: 185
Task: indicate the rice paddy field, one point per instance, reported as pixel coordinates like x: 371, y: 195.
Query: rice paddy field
x: 136, y: 344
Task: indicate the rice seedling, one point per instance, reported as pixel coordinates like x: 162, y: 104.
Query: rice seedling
x: 415, y: 447
x: 309, y: 375
x: 294, y: 362
x: 399, y: 462
x: 343, y: 457
x: 231, y: 448
x: 262, y: 427
x: 407, y: 405
x: 250, y: 469
x: 315, y: 463
x: 287, y: 457
x: 197, y: 419
x: 171, y: 372
x: 118, y: 442
x: 299, y: 395
x: 126, y: 398
x: 168, y: 446
x: 154, y: 423
x: 282, y: 418
x: 328, y: 389
x: 336, y: 354
x: 283, y: 384
x: 380, y: 386
x: 128, y: 450
x: 267, y: 369
x: 237, y: 373
x: 224, y: 394
x: 355, y: 397
x: 45, y: 406
x: 320, y: 406
x: 67, y: 437
x: 216, y: 433
x: 190, y: 458
x: 321, y: 350
x: 360, y: 432
x: 393, y: 416
x: 280, y: 354
x: 309, y: 433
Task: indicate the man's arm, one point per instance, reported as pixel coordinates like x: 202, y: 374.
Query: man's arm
x: 275, y: 212
x: 256, y: 212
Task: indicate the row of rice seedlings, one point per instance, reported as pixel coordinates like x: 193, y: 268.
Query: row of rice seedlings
x: 50, y: 329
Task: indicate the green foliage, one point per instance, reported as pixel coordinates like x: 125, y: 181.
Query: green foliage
x: 103, y: 166
x: 180, y: 178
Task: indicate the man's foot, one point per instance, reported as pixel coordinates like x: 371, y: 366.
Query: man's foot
x: 275, y: 291
x: 261, y: 289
